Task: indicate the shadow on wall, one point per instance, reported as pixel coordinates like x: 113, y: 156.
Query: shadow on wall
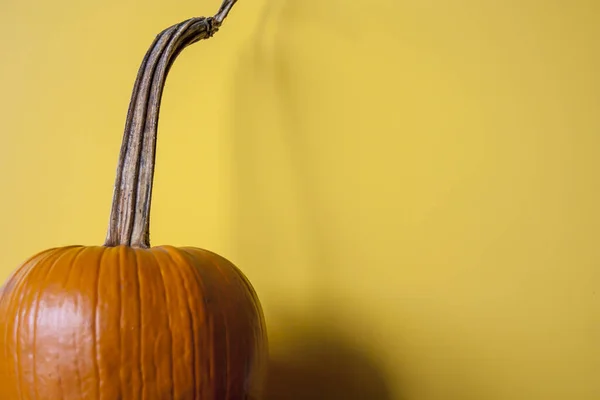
x: 283, y: 239
x: 320, y: 366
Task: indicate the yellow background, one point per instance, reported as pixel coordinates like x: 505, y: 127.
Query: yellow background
x: 413, y: 187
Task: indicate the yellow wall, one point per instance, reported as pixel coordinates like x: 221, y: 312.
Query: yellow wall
x: 413, y: 187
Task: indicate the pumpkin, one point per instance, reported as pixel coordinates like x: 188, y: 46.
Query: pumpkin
x: 126, y: 320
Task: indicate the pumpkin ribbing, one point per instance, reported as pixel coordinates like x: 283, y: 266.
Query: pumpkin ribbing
x: 126, y: 320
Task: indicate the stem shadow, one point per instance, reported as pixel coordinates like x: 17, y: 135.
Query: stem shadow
x: 317, y: 360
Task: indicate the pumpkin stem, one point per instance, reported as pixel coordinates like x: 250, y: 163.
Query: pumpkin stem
x: 130, y: 213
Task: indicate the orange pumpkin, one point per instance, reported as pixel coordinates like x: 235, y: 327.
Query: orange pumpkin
x: 126, y: 320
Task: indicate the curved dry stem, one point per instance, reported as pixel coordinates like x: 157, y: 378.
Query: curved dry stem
x: 130, y: 213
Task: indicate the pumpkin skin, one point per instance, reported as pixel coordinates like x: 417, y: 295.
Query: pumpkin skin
x: 130, y: 323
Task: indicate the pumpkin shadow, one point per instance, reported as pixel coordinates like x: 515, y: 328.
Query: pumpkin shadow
x: 329, y: 374
x: 324, y: 368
